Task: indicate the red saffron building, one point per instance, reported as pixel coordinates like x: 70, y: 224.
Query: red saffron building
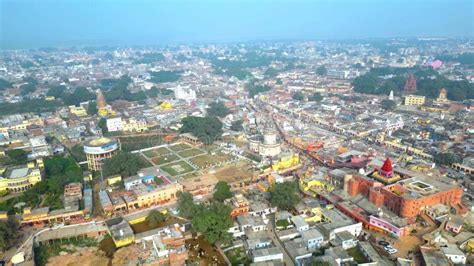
x: 408, y: 197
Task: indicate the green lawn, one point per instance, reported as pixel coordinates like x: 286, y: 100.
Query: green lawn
x: 357, y: 255
x: 179, y: 147
x: 156, y: 152
x: 190, y: 153
x: 165, y: 159
x: 177, y: 168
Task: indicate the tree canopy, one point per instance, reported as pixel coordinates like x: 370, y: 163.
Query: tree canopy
x: 79, y: 95
x: 124, y: 164
x: 256, y: 89
x: 27, y: 106
x: 18, y: 156
x: 446, y: 158
x: 5, y: 84
x: 207, y: 129
x: 429, y: 83
x: 150, y: 58
x: 186, y: 206
x: 236, y: 125
x: 285, y: 195
x: 321, y: 70
x: 298, y: 96
x: 8, y: 233
x: 217, y: 108
x: 213, y: 222
x: 222, y: 191
x: 117, y: 89
x: 316, y: 97
x: 165, y: 76
x: 270, y: 72
x: 154, y: 218
x: 388, y: 104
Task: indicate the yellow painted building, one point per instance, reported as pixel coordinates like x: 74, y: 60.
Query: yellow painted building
x: 414, y: 100
x: 78, y: 110
x: 135, y: 125
x: 146, y: 197
x: 387, y: 180
x: 312, y: 186
x: 433, y: 109
x: 19, y: 179
x: 286, y: 162
x: 114, y: 179
x: 166, y: 106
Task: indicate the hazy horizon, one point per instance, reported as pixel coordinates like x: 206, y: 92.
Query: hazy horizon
x: 34, y: 24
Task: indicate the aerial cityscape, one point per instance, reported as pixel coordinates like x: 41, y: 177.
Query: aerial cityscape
x: 307, y: 151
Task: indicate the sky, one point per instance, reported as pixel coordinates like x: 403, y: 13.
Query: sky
x: 57, y: 23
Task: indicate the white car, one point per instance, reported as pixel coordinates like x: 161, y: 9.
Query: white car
x: 390, y: 250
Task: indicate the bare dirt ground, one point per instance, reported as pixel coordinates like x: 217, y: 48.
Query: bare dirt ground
x: 236, y: 172
x: 84, y: 257
x: 126, y: 254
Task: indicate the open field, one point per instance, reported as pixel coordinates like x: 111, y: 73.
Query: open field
x: 234, y: 172
x: 207, y: 160
x: 165, y: 159
x: 190, y: 153
x: 177, y: 168
x: 156, y: 152
x: 180, y: 147
x: 138, y: 142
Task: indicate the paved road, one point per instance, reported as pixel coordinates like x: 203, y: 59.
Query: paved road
x: 286, y: 258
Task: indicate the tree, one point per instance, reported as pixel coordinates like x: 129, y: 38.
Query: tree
x: 165, y: 76
x: 207, y: 129
x: 217, y: 108
x: 321, y: 70
x: 446, y: 158
x: 80, y: 94
x: 222, y: 191
x: 18, y: 156
x: 365, y: 84
x: 92, y: 108
x: 186, y: 206
x: 103, y: 125
x: 237, y: 125
x: 316, y: 97
x: 155, y: 217
x: 271, y: 72
x: 8, y: 233
x: 285, y: 195
x: 256, y: 89
x: 124, y: 164
x: 298, y: 96
x: 214, y: 222
x: 26, y: 89
x: 5, y: 84
x: 77, y: 151
x: 388, y: 104
x: 57, y: 91
x: 27, y: 106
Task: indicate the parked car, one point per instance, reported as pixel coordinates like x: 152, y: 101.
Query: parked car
x: 384, y: 243
x: 390, y: 250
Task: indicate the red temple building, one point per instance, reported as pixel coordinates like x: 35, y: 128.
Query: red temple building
x: 410, y: 84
